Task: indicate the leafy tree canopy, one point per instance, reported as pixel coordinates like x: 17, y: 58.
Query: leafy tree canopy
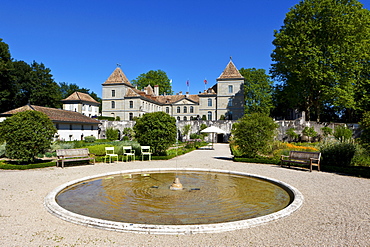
x: 157, y: 129
x: 321, y: 54
x: 153, y: 78
x: 253, y: 133
x: 27, y: 134
x: 7, y: 88
x: 257, y: 90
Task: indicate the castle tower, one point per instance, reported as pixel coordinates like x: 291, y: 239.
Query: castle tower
x: 114, y: 91
x: 230, y: 93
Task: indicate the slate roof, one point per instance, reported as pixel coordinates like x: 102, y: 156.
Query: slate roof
x: 117, y: 77
x: 230, y: 72
x: 55, y: 115
x: 78, y: 96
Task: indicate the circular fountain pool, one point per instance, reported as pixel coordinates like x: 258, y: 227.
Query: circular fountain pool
x: 142, y: 201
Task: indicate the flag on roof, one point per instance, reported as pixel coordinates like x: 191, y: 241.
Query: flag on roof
x: 205, y: 81
x: 187, y: 83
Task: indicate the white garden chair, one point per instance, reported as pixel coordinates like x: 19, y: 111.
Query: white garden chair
x: 109, y: 152
x: 128, y: 152
x: 145, y: 150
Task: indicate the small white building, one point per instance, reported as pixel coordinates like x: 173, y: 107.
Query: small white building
x: 82, y: 103
x: 71, y: 125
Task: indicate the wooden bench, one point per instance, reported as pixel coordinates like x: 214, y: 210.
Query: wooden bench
x: 306, y: 158
x: 67, y: 155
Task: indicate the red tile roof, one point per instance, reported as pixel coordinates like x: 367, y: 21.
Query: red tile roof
x: 230, y: 72
x: 55, y: 115
x: 117, y: 77
x: 78, y: 96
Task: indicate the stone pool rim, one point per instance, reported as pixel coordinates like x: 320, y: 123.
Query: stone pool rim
x: 54, y: 208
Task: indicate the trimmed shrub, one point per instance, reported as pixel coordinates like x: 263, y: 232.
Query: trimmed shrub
x: 342, y: 133
x: 27, y: 134
x: 310, y: 132
x: 291, y: 133
x: 99, y: 150
x: 254, y: 133
x: 90, y: 138
x: 337, y: 154
x: 111, y: 134
x: 157, y: 130
x: 326, y: 131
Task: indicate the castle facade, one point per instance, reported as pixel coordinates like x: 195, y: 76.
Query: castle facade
x: 224, y: 100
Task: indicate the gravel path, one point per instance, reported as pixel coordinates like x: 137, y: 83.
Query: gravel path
x: 335, y: 211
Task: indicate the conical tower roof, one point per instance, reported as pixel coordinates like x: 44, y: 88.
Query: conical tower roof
x: 230, y: 72
x: 117, y: 77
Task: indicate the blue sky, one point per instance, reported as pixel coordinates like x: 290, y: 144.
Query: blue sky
x: 81, y: 41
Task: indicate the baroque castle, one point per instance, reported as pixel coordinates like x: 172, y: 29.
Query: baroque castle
x: 224, y: 100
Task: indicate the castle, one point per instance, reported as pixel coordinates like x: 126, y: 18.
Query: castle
x: 224, y: 100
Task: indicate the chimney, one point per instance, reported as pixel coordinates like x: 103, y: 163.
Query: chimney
x: 156, y: 90
x: 180, y: 93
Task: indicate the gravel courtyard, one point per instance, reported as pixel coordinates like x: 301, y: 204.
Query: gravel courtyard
x: 335, y: 211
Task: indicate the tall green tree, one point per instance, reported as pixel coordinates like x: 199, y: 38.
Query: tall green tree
x: 157, y: 129
x: 27, y: 134
x: 152, y: 78
x: 46, y: 91
x: 7, y: 87
x: 257, y: 91
x: 321, y: 53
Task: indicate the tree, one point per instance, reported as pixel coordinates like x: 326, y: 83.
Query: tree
x: 7, y: 87
x: 27, y: 134
x: 157, y: 129
x: 253, y: 133
x: 46, y: 91
x: 153, y: 78
x: 365, y: 127
x: 257, y: 91
x: 35, y: 85
x: 67, y: 89
x: 321, y: 54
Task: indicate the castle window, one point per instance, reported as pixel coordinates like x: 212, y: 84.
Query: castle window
x: 178, y: 109
x: 209, y: 102
x: 230, y: 102
x: 167, y: 110
x: 185, y: 118
x: 131, y: 104
x: 209, y: 115
x: 185, y: 109
x: 113, y: 104
x: 191, y: 109
x: 113, y: 93
x: 231, y: 90
x: 131, y: 116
